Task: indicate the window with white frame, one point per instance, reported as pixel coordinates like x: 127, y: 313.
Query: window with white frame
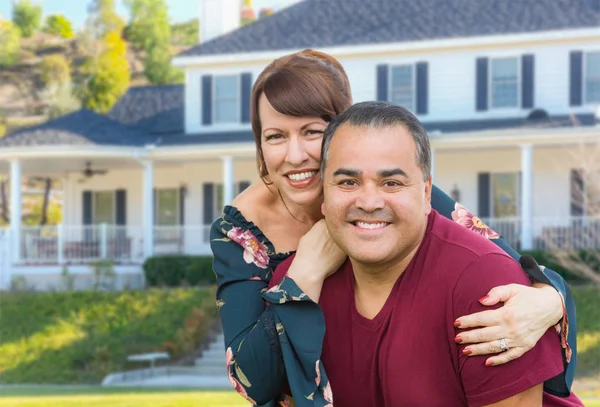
x: 505, y: 194
x: 103, y: 207
x: 592, y: 77
x: 402, y: 87
x: 504, y: 82
x: 166, y: 207
x: 226, y: 99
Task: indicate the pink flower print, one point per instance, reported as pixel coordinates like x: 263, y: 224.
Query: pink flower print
x: 254, y: 251
x: 327, y: 394
x: 236, y: 385
x: 464, y: 217
x: 318, y: 379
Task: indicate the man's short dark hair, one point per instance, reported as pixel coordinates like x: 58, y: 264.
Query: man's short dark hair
x: 381, y: 115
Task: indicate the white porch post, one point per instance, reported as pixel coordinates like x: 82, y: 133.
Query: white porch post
x: 527, y: 197
x: 15, y: 207
x: 228, y: 180
x: 148, y: 208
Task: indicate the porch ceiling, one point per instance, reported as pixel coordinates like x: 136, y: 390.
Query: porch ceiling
x: 62, y: 166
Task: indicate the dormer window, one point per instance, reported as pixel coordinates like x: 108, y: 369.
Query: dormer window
x: 504, y: 82
x: 402, y: 89
x: 226, y: 99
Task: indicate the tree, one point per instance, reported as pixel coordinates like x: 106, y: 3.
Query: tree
x: 60, y: 26
x: 27, y: 17
x: 108, y: 75
x: 60, y: 99
x: 150, y: 30
x: 103, y: 19
x: 265, y: 12
x: 576, y: 246
x: 10, y: 44
x: 55, y: 69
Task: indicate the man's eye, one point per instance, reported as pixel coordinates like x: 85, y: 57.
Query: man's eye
x: 392, y: 184
x: 347, y: 182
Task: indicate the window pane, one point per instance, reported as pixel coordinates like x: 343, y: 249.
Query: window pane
x: 219, y: 198
x: 592, y: 91
x: 226, y: 111
x: 167, y: 207
x: 226, y: 87
x: 402, y: 86
x: 505, y: 82
x: 505, y: 194
x: 104, y: 207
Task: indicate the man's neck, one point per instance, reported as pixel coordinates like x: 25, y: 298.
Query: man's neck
x: 374, y: 283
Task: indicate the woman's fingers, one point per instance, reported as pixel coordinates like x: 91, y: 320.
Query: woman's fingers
x: 505, y: 357
x: 480, y: 319
x: 478, y: 336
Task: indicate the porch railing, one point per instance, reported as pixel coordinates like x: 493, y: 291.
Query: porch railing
x: 78, y: 244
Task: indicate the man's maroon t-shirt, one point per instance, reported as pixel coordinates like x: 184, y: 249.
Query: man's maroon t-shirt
x: 406, y: 356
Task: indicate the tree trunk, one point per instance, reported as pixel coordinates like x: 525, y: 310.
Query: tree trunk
x: 47, y: 189
x: 3, y: 203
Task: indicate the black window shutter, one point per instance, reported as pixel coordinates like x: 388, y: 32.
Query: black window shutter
x: 242, y: 185
x: 481, y: 84
x: 208, y: 191
x: 483, y: 191
x: 382, y: 82
x: 246, y: 91
x: 86, y: 200
x: 422, y: 87
x: 577, y: 193
x: 121, y: 204
x: 576, y: 78
x: 182, y: 192
x: 528, y: 81
x: 207, y: 100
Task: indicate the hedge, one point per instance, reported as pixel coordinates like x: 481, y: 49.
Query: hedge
x: 544, y: 257
x: 177, y: 270
x: 80, y: 337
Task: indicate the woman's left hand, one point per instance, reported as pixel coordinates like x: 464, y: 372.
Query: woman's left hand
x: 527, y: 314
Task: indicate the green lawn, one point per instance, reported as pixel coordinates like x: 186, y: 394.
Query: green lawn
x: 103, y: 397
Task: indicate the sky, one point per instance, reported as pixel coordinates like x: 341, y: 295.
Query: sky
x: 76, y: 10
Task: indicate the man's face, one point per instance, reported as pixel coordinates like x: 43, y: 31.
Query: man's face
x: 376, y: 201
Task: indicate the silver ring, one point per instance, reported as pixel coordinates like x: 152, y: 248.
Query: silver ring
x: 503, y: 344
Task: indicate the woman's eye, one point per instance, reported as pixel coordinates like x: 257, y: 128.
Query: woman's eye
x: 273, y: 137
x: 314, y: 132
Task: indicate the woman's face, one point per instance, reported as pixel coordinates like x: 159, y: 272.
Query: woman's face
x: 292, y: 151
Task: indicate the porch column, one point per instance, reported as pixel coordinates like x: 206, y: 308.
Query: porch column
x: 527, y: 197
x: 148, y: 208
x: 15, y: 207
x: 228, y: 180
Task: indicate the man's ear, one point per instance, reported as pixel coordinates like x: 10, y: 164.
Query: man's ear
x: 428, y: 188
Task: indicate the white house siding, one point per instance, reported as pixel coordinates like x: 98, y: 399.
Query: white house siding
x: 452, y: 79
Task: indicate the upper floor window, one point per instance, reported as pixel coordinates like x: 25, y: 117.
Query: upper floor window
x: 504, y: 82
x: 226, y: 99
x: 402, y: 86
x: 592, y: 77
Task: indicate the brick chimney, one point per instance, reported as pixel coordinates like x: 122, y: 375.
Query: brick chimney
x: 218, y: 17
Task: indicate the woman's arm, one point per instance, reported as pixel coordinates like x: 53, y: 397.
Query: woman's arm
x: 528, y: 311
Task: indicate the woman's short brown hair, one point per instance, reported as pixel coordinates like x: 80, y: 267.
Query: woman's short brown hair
x: 306, y: 83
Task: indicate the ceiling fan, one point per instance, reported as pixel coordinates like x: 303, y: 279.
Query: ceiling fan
x: 88, y: 172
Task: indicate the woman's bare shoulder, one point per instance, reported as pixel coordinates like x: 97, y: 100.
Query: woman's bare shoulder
x: 253, y: 201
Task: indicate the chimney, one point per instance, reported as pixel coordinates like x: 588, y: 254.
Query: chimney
x: 218, y: 17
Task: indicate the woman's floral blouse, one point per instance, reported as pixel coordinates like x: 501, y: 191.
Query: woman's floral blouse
x: 273, y: 337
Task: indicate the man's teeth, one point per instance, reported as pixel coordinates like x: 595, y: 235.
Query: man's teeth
x: 301, y: 176
x: 365, y: 225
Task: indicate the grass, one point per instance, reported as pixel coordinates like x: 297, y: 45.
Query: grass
x: 125, y: 397
x: 587, y: 300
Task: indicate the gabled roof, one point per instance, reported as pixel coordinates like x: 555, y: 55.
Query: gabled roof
x: 82, y: 127
x: 328, y: 23
x: 155, y: 109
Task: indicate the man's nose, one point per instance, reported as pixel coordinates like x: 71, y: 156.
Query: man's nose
x: 296, y: 152
x: 369, y: 199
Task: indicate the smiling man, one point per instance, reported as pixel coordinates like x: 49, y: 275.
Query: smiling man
x: 390, y: 339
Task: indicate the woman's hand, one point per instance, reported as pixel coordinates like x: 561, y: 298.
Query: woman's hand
x: 527, y: 314
x: 317, y: 258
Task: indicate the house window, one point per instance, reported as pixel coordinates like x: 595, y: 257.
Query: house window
x: 166, y: 207
x: 592, y: 77
x: 504, y: 82
x: 226, y: 99
x: 103, y: 207
x: 505, y: 194
x: 402, y: 89
x: 218, y: 201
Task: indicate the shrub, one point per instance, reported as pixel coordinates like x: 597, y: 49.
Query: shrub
x: 27, y: 17
x: 60, y: 26
x: 55, y: 69
x: 10, y: 44
x: 545, y: 258
x: 177, y: 270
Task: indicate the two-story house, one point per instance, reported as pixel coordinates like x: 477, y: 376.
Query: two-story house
x: 508, y: 90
